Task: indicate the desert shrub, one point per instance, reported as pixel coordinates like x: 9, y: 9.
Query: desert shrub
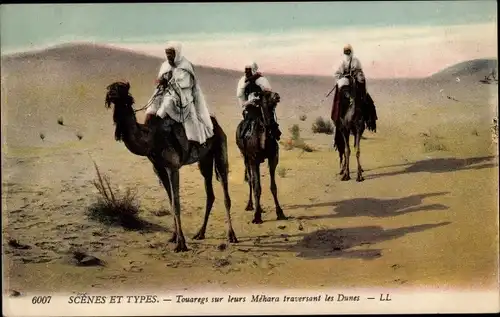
x: 282, y: 172
x: 433, y: 143
x: 112, y: 208
x: 322, y: 126
x: 295, y: 132
x: 60, y: 121
x: 42, y: 136
x: 79, y: 135
x: 295, y: 141
x: 303, y: 117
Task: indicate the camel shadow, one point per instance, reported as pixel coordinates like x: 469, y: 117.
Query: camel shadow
x: 374, y: 207
x: 341, y: 243
x: 439, y: 165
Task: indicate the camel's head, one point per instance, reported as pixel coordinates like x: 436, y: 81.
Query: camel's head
x: 118, y: 94
x: 269, y: 101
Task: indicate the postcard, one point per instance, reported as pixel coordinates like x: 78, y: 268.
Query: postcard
x: 249, y: 158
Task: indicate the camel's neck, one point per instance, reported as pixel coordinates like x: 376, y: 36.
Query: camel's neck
x: 136, y: 138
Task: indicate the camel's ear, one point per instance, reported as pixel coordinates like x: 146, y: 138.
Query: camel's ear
x: 127, y: 84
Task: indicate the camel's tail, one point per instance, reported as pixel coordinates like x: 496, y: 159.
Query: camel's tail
x: 221, y: 160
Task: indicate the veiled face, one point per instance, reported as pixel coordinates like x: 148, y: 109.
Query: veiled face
x: 170, y: 52
x: 248, y: 72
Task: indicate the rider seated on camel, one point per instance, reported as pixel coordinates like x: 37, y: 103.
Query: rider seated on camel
x: 179, y: 96
x: 350, y: 65
x: 248, y: 89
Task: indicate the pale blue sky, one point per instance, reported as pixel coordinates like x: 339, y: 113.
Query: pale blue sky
x: 26, y: 25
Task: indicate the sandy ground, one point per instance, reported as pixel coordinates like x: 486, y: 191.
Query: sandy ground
x: 426, y: 215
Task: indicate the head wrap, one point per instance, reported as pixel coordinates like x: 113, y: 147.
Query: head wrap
x: 177, y: 47
x: 253, y: 66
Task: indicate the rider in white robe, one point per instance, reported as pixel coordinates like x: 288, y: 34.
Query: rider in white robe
x: 182, y: 100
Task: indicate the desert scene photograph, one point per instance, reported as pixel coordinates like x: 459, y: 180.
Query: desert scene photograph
x: 85, y: 212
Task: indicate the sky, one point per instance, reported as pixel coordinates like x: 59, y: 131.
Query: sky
x: 392, y: 38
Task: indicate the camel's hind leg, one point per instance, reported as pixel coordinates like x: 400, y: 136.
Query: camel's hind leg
x: 206, y: 167
x: 273, y: 163
x: 222, y: 170
x: 357, y: 141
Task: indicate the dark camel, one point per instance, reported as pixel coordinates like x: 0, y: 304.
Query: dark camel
x: 256, y: 142
x: 161, y: 142
x: 354, y: 115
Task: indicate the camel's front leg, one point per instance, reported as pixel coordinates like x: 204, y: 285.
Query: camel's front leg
x: 161, y: 172
x: 248, y: 177
x: 347, y: 154
x: 255, y: 166
x: 173, y: 175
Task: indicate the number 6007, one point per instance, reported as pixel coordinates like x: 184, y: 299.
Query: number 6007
x: 41, y: 299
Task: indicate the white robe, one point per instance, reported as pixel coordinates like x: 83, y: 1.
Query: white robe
x: 262, y: 82
x: 343, y: 68
x: 184, y: 101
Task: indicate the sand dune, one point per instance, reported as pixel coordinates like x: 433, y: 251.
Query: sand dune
x: 425, y: 215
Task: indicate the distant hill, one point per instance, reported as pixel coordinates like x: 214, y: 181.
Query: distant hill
x: 477, y: 69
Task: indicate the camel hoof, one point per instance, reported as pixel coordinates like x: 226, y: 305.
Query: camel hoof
x: 280, y: 215
x: 181, y: 247
x: 360, y: 178
x: 173, y: 239
x: 346, y: 177
x: 231, y: 237
x: 249, y: 207
x: 257, y: 221
x: 200, y: 235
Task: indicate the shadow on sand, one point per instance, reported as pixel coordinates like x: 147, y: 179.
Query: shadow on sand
x: 440, y: 165
x: 339, y: 243
x: 373, y: 207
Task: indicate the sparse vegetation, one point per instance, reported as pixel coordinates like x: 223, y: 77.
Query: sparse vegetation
x: 295, y: 141
x: 322, y: 126
x: 303, y: 117
x: 60, y: 121
x: 282, y: 172
x: 295, y: 132
x: 494, y: 131
x: 433, y: 143
x: 79, y: 135
x: 42, y: 136
x: 114, y: 209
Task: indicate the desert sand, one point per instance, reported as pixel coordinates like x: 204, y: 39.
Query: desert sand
x: 425, y: 216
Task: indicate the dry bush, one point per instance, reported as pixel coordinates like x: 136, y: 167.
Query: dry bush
x: 303, y: 117
x: 295, y: 131
x: 494, y: 131
x: 79, y: 135
x: 282, y: 172
x: 433, y: 143
x: 42, y: 136
x: 322, y: 126
x: 113, y: 208
x: 295, y: 141
x: 60, y: 121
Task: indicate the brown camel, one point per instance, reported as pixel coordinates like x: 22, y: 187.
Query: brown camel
x: 256, y: 142
x: 164, y: 143
x: 351, y: 115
